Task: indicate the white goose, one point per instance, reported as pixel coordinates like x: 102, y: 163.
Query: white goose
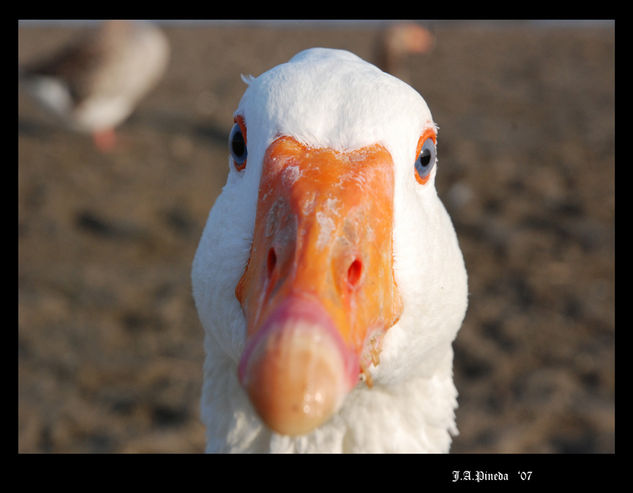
x: 328, y: 278
x: 95, y: 82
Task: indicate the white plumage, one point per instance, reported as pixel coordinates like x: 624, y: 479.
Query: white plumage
x: 332, y: 99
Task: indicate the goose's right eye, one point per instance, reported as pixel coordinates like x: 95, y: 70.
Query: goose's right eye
x: 425, y: 161
x: 237, y: 146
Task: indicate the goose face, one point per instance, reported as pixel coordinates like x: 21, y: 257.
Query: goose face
x: 304, y: 273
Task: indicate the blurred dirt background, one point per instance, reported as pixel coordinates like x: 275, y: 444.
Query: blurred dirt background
x: 109, y: 345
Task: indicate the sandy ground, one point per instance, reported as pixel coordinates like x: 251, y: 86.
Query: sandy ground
x: 109, y: 344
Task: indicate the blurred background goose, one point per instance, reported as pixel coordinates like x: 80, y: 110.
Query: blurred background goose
x: 95, y: 82
x: 399, y: 40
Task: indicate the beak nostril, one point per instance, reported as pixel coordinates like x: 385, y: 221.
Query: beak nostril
x: 271, y: 261
x: 354, y: 272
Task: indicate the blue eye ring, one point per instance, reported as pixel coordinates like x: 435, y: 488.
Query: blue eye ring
x: 425, y: 161
x: 237, y: 144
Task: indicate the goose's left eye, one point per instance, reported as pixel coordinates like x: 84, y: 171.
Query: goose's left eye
x: 237, y: 146
x: 425, y: 161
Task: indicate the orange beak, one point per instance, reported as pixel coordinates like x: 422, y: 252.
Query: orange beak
x: 318, y: 292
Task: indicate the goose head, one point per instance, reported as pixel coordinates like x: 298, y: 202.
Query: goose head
x: 328, y: 266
